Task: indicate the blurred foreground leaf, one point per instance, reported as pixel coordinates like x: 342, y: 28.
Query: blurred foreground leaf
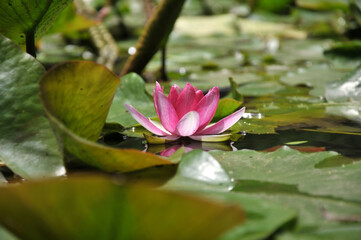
x: 27, y: 143
x: 109, y: 211
x: 76, y: 97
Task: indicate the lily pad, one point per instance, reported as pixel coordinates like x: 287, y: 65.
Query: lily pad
x: 336, y: 182
x: 340, y: 232
x: 211, y: 180
x: 287, y: 177
x: 347, y: 89
x: 27, y: 143
x: 24, y: 19
x: 124, y: 212
x: 226, y: 106
x: 315, y: 77
x: 76, y: 97
x: 261, y: 88
x: 132, y: 91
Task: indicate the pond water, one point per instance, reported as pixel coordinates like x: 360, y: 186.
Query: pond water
x: 283, y: 81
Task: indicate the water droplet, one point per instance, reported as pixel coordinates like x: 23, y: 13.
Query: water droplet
x: 132, y: 50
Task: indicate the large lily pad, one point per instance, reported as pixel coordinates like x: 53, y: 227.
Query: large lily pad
x: 323, y: 198
x: 201, y: 173
x: 76, y: 97
x: 27, y: 144
x: 28, y: 18
x: 110, y: 211
x: 337, y: 182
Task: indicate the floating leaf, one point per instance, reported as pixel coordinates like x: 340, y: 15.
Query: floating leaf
x: 347, y: 89
x: 315, y: 76
x: 28, y: 18
x: 201, y: 166
x: 132, y: 91
x: 261, y: 88
x: 200, y: 173
x: 124, y: 212
x: 27, y: 143
x: 226, y: 106
x: 287, y: 166
x: 351, y: 232
x: 286, y: 177
x: 76, y: 97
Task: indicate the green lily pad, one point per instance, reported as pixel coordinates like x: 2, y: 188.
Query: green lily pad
x: 262, y: 181
x: 200, y: 173
x: 347, y: 89
x: 261, y: 88
x: 351, y: 232
x: 28, y: 18
x: 110, y: 211
x: 76, y: 97
x: 226, y: 106
x: 315, y: 77
x: 337, y: 182
x: 296, y: 112
x: 132, y: 91
x: 347, y: 50
x: 27, y: 143
x: 201, y: 166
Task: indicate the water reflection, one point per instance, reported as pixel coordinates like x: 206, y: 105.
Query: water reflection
x: 167, y: 150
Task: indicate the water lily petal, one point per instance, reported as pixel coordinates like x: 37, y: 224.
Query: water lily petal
x: 207, y: 107
x: 169, y: 151
x: 199, y: 96
x: 223, y: 124
x: 156, y: 89
x: 160, y: 126
x: 142, y: 120
x: 189, y: 124
x: 185, y: 100
x: 175, y: 90
x: 166, y: 112
x: 212, y: 138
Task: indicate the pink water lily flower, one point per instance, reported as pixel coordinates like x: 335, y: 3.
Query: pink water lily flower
x: 186, y: 113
